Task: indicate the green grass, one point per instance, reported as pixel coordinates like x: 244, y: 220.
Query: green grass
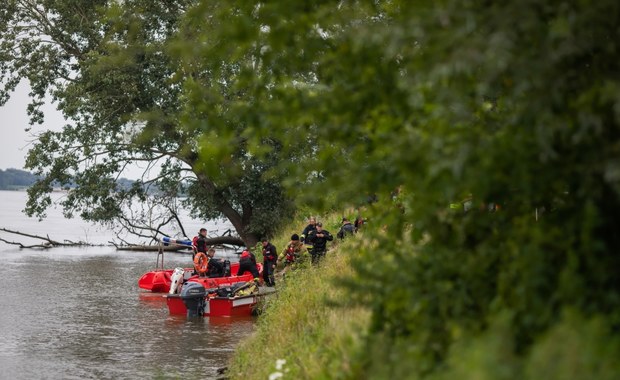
x: 302, y: 325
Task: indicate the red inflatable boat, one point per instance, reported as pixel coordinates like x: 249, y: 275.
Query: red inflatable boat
x: 159, y: 280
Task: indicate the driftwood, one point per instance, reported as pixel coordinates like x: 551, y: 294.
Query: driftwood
x: 47, y: 241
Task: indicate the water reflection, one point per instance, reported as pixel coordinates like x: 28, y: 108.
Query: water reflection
x: 154, y: 300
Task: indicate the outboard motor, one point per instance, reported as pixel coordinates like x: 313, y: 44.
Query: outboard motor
x: 226, y: 268
x: 193, y: 296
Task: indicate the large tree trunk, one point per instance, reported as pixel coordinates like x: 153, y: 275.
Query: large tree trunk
x: 231, y: 240
x: 238, y: 221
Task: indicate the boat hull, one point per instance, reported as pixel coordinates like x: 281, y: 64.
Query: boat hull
x: 216, y: 306
x: 157, y: 281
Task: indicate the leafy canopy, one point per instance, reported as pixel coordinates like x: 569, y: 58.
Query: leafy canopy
x: 111, y: 68
x: 437, y: 103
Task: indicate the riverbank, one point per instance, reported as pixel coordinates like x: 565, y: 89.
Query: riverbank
x: 309, y: 330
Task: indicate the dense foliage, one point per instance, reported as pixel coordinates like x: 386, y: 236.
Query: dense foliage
x: 488, y: 133
x: 508, y: 112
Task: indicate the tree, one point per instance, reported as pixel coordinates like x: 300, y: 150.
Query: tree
x: 512, y: 104
x: 109, y: 67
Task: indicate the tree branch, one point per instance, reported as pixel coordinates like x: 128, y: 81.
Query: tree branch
x: 43, y: 246
x: 49, y: 243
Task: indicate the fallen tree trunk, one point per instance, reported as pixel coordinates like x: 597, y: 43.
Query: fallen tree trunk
x: 231, y: 240
x: 214, y: 241
x: 151, y: 248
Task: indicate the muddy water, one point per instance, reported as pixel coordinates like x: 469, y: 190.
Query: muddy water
x: 75, y: 313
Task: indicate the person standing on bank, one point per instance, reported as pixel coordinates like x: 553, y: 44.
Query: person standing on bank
x: 319, y: 239
x: 270, y: 258
x: 346, y: 229
x: 294, y: 252
x: 309, y: 228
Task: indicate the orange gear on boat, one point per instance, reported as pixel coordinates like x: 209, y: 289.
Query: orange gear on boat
x: 201, y: 262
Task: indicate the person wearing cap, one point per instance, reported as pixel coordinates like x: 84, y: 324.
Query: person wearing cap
x: 319, y: 239
x: 293, y: 252
x: 270, y: 258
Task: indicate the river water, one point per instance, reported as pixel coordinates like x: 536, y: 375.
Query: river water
x: 75, y: 313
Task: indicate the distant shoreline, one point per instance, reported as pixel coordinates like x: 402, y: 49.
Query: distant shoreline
x: 21, y: 180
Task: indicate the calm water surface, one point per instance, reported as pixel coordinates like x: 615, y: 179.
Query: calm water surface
x: 74, y: 313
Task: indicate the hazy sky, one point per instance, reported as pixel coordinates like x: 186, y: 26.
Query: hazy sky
x: 16, y: 141
x: 14, y: 121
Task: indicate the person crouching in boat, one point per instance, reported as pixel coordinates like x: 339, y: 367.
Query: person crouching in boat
x: 292, y: 254
x: 247, y: 263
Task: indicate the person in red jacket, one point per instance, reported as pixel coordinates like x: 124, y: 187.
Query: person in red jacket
x: 247, y: 263
x: 294, y: 252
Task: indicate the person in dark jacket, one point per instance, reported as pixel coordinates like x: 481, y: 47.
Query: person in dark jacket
x: 346, y: 229
x: 270, y: 258
x: 199, y: 244
x: 319, y: 239
x: 200, y: 241
x: 309, y: 228
x: 215, y: 267
x: 247, y: 263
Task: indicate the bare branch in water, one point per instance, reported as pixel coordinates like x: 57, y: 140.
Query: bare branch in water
x: 49, y: 243
x: 43, y: 246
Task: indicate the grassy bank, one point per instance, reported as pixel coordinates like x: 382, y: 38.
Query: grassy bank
x: 308, y: 325
x: 308, y: 331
